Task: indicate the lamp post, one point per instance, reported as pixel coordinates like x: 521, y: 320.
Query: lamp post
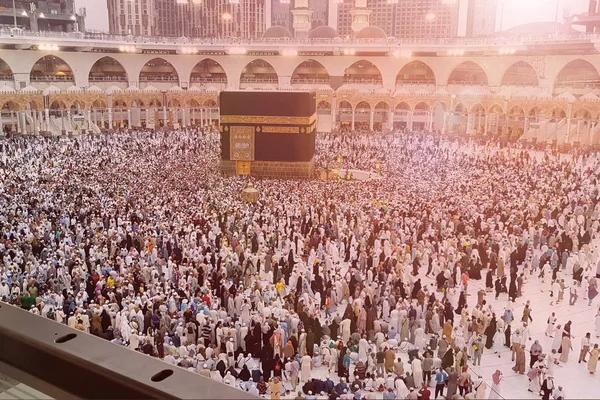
x: 15, y: 13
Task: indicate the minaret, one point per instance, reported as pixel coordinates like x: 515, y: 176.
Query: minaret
x: 360, y: 16
x: 302, y: 19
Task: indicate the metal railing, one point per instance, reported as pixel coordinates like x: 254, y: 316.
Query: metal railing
x: 103, y: 78
x: 158, y: 78
x: 458, y: 41
x: 210, y: 79
x: 51, y: 78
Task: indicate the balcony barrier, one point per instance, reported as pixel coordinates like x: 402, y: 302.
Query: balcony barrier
x: 66, y: 363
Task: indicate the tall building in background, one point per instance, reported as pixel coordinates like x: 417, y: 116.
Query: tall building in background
x: 233, y: 18
x: 420, y: 19
x: 131, y: 17
x: 481, y: 17
x: 281, y: 13
x: 43, y: 15
x: 320, y: 10
x: 167, y: 17
x: 344, y: 18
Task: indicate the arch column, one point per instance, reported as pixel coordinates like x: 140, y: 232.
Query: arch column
x: 409, y: 123
x: 353, y: 119
x: 371, y: 118
x: 333, y: 110
x: 391, y: 120
x: 284, y: 81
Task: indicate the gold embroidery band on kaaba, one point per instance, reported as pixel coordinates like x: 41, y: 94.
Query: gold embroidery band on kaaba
x: 256, y: 119
x: 280, y: 129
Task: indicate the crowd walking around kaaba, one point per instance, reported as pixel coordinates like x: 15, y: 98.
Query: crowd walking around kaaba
x: 468, y: 271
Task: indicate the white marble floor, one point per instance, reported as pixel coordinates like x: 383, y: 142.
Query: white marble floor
x: 575, y: 379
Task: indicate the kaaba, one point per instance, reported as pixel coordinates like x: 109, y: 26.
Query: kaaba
x: 268, y: 134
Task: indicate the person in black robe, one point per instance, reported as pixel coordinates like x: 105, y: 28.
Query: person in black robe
x: 244, y: 375
x: 310, y: 342
x: 448, y: 358
x: 277, y: 366
x: 490, y: 331
x: 462, y: 302
x: 342, y: 352
x: 416, y: 287
x: 512, y: 290
x: 489, y: 280
x: 268, y: 362
x: 507, y: 334
x: 333, y: 328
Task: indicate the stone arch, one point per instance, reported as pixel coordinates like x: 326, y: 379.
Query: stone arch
x: 193, y: 103
x: 516, y: 110
x: 107, y: 69
x: 363, y: 105
x: 33, y: 105
x: 382, y: 105
x: 208, y: 71
x: 10, y: 106
x: 520, y: 73
x: 460, y: 108
x: 402, y: 106
x: 437, y: 104
x: 137, y: 103
x: 578, y: 74
x: 98, y: 104
x: 557, y: 113
x: 174, y: 103
x: 310, y: 71
x: 493, y: 109
x: 158, y: 70
x: 6, y: 72
x: 345, y: 104
x: 58, y: 105
x: 324, y: 105
x: 363, y: 72
x: 534, y: 111
x: 51, y: 68
x: 421, y: 106
x: 120, y: 104
x: 468, y: 73
x: 478, y: 109
x: 76, y: 105
x: 210, y: 103
x: 416, y: 72
x: 582, y: 113
x: 155, y: 103
x: 259, y: 71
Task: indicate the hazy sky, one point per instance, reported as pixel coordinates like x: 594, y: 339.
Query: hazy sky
x: 516, y: 12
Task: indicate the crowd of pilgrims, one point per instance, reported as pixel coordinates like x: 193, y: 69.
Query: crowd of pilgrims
x: 138, y: 239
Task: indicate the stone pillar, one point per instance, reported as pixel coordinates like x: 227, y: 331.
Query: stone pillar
x: 333, y: 111
x: 110, y: 118
x: 62, y: 121
x: 194, y: 116
x: 526, y: 125
x: 352, y: 127
x: 165, y: 116
x: 36, y: 130
x: 18, y: 123
x: 409, y: 124
x: 390, y: 120
x: 129, y: 118
x: 1, y: 126
x: 371, y: 118
x: 201, y: 117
